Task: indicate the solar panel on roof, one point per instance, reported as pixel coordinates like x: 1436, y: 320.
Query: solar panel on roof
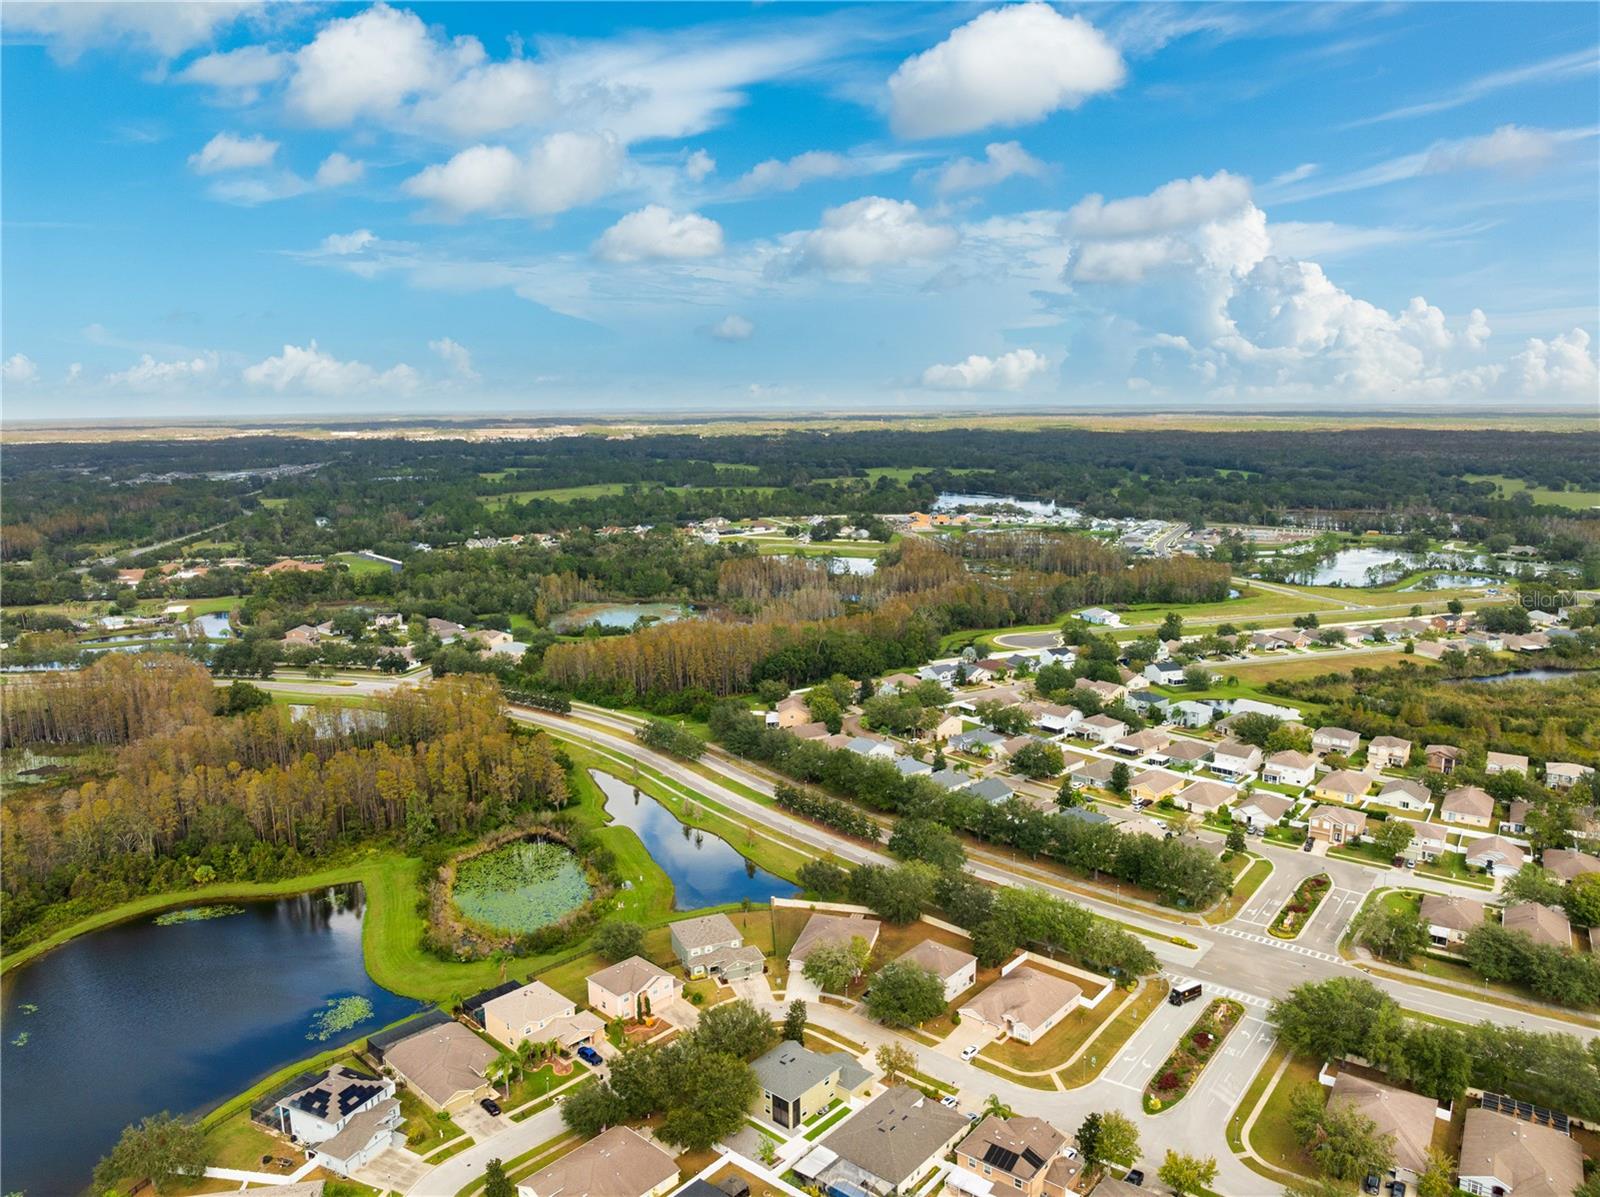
x: 1033, y: 1157
x: 1000, y: 1157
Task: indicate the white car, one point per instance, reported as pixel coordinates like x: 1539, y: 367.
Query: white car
x: 948, y: 1101
x: 969, y: 1051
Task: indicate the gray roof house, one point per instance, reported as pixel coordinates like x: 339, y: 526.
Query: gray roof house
x: 991, y: 790
x: 712, y: 945
x: 798, y: 1083
x: 887, y: 1145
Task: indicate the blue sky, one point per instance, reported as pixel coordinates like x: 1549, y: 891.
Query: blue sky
x: 608, y: 208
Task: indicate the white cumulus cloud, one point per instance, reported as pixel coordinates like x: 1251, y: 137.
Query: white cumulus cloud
x: 1181, y: 203
x: 1001, y: 160
x: 148, y: 374
x: 337, y: 170
x: 73, y: 26
x: 872, y: 232
x: 732, y: 327
x: 1560, y: 366
x: 1008, y: 66
x: 1008, y: 372
x: 237, y: 76
x: 308, y: 370
x: 488, y: 99
x: 654, y: 232
x: 19, y: 370
x: 558, y: 173
x: 698, y: 165
x: 342, y: 244
x: 229, y: 151
x: 455, y: 355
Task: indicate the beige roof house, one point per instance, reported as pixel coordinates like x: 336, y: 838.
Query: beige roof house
x: 1406, y: 794
x: 1468, y: 805
x: 957, y: 969
x: 1235, y: 759
x: 1186, y: 751
x: 1449, y: 918
x: 619, y: 1162
x: 1568, y: 863
x: 1290, y: 768
x: 1388, y: 752
x: 1409, y: 1117
x: 1204, y: 796
x: 1336, y: 824
x: 444, y: 1065
x: 1016, y: 1150
x: 1505, y: 762
x: 1495, y: 853
x: 1140, y: 742
x: 824, y: 928
x: 622, y: 990
x: 711, y: 944
x: 1541, y: 923
x: 1102, y: 728
x: 1335, y: 739
x: 888, y: 1143
x: 1560, y: 775
x: 1156, y: 784
x: 1508, y: 1157
x: 539, y: 1013
x: 1343, y: 785
x: 1024, y: 1003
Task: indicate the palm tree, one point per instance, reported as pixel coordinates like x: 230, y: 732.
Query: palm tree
x: 528, y: 1052
x: 996, y: 1108
x: 501, y: 1069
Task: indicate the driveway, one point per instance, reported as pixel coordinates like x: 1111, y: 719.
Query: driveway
x: 801, y: 988
x: 972, y: 1032
x: 754, y: 989
x: 681, y: 1013
x: 477, y: 1121
x: 396, y: 1169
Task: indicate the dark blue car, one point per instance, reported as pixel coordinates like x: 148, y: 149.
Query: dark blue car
x: 589, y: 1056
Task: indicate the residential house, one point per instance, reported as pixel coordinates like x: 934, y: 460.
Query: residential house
x: 1443, y: 758
x: 1261, y: 809
x: 992, y: 790
x: 1388, y: 752
x: 1024, y: 1003
x: 943, y: 672
x: 885, y: 1147
x: 388, y: 619
x: 492, y: 639
x: 337, y: 1100
x: 1155, y: 784
x: 537, y: 1012
x: 1563, y: 775
x: 445, y: 629
x: 619, y: 1162
x: 1009, y: 748
x: 793, y: 711
x: 957, y: 969
x: 1095, y: 771
x: 1103, y: 729
x: 1516, y: 820
x: 1184, y: 752
x: 1433, y: 650
x: 1235, y: 760
x: 1151, y: 739
x: 897, y: 682
x: 909, y: 766
x: 831, y: 929
x: 980, y: 741
x: 1100, y: 616
x: 951, y: 779
x: 1342, y: 785
x: 797, y: 1083
x: 1335, y: 739
x: 1289, y: 769
x: 1448, y: 919
x: 1405, y: 794
x: 1467, y: 806
x: 1506, y: 762
x: 1132, y: 681
x: 1502, y: 1156
x: 800, y: 731
x: 868, y: 747
x: 1408, y: 1119
x: 1540, y: 923
x: 1489, y: 641
x: 445, y: 1065
x: 1190, y: 714
x: 948, y: 725
x: 632, y: 987
x: 712, y: 946
x: 1057, y: 719
x: 1428, y: 842
x: 1254, y: 706
x: 1568, y: 864
x: 1204, y: 797
x: 1336, y: 824
x: 362, y: 1139
x: 1164, y: 673
x: 302, y: 635
x: 1009, y: 1155
x: 1106, y: 692
x: 1494, y: 854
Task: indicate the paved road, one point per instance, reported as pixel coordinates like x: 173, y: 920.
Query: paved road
x: 451, y: 1176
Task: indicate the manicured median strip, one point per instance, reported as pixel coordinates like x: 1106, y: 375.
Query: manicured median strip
x: 1300, y: 907
x: 1200, y: 1043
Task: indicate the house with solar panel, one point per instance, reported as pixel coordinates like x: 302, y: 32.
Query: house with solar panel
x: 344, y: 1119
x: 1009, y: 1155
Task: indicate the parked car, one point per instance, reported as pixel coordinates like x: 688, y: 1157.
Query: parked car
x: 589, y: 1056
x: 490, y: 1106
x: 948, y: 1102
x: 1306, y: 846
x: 1397, y: 1188
x: 1370, y: 1185
x: 969, y: 1051
x: 1135, y: 1177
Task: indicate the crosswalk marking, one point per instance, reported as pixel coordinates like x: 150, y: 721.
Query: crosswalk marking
x: 1281, y: 945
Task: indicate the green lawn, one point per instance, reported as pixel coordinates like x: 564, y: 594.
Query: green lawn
x: 361, y: 565
x: 1271, y: 1137
x: 1578, y: 500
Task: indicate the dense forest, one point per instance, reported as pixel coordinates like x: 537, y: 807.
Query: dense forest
x: 186, y: 794
x: 69, y: 501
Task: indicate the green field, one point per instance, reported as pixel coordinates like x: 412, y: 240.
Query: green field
x: 360, y: 565
x: 1578, y: 500
x: 595, y: 490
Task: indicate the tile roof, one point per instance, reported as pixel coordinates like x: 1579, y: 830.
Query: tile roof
x: 619, y: 1162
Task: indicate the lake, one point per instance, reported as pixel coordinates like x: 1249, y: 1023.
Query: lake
x: 705, y: 870
x: 618, y: 615
x: 1350, y: 567
x: 950, y: 501
x: 139, y: 1018
x: 861, y: 566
